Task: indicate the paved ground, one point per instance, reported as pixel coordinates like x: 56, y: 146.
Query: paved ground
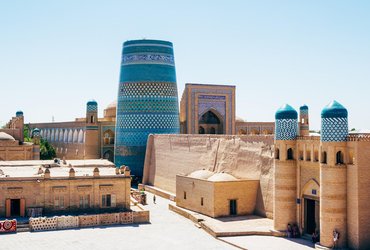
x: 269, y: 242
x: 239, y: 224
x: 167, y: 230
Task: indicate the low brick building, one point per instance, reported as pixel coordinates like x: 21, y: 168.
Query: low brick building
x: 216, y: 194
x: 33, y: 188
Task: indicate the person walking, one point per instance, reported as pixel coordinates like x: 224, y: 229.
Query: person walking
x: 154, y: 198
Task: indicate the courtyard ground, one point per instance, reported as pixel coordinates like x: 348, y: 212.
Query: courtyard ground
x: 167, y: 230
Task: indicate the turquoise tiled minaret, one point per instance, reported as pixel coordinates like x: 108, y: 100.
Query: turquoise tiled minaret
x: 286, y: 123
x: 334, y: 122
x: 147, y: 99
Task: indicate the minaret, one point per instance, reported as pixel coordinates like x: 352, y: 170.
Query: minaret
x: 19, y: 124
x: 304, y: 129
x: 147, y: 100
x: 36, y: 143
x: 285, y: 174
x: 333, y: 174
x: 91, y: 131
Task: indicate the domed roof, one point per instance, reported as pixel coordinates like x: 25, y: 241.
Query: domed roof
x: 239, y: 119
x: 36, y: 130
x: 286, y: 112
x: 92, y: 102
x: 304, y: 107
x: 201, y: 174
x: 112, y: 105
x: 334, y: 109
x: 19, y: 113
x: 221, y: 177
x: 5, y: 136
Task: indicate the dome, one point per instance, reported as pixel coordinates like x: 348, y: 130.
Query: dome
x: 304, y: 107
x: 112, y: 105
x: 92, y: 102
x: 221, y: 177
x: 334, y: 109
x: 201, y: 174
x: 19, y: 113
x: 286, y: 112
x: 5, y: 136
x: 239, y: 119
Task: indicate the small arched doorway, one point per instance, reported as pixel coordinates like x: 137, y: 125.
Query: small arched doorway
x: 108, y: 155
x: 211, y: 122
x: 311, y: 207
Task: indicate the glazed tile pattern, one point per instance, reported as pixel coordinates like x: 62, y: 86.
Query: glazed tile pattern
x: 147, y: 100
x: 286, y: 129
x: 334, y: 129
x: 148, y: 58
x: 91, y: 107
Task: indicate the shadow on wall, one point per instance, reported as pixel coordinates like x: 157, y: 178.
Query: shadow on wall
x: 245, y: 157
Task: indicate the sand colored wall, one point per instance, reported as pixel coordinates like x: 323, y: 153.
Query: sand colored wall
x: 362, y: 161
x: 285, y: 187
x: 40, y: 192
x: 195, y: 189
x: 245, y: 157
x: 216, y: 195
x: 244, y: 191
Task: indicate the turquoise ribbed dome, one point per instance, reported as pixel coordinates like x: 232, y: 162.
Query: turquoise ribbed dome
x: 35, y: 130
x: 286, y: 112
x: 92, y: 102
x: 334, y: 109
x: 19, y: 113
x: 304, y: 107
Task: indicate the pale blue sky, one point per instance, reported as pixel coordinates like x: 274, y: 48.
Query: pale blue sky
x: 56, y: 55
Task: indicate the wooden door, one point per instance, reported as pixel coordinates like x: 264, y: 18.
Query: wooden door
x: 23, y: 208
x: 7, y: 208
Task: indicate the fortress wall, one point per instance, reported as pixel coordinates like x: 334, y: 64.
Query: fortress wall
x: 245, y: 157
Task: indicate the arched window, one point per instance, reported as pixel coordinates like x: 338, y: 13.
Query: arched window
x: 201, y: 130
x: 290, y: 154
x: 277, y: 154
x: 323, y: 157
x: 108, y: 137
x: 92, y: 119
x: 340, y: 157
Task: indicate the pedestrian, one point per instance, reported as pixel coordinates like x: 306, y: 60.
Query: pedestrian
x: 154, y: 198
x: 335, y: 238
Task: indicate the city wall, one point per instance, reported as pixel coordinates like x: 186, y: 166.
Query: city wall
x: 245, y: 157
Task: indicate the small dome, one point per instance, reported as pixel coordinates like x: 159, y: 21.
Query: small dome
x: 334, y: 109
x: 201, y: 174
x: 239, y: 119
x: 112, y: 105
x: 222, y: 177
x: 92, y: 102
x: 286, y: 112
x: 6, y: 137
x: 19, y: 113
x: 304, y: 107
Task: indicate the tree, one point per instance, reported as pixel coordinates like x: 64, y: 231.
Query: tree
x: 47, y: 151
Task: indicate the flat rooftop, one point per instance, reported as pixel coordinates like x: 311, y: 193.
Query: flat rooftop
x: 29, y: 169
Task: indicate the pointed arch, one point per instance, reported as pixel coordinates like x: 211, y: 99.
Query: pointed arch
x: 75, y: 136
x: 311, y: 188
x: 81, y: 136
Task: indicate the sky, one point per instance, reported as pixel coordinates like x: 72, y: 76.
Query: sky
x: 57, y: 55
